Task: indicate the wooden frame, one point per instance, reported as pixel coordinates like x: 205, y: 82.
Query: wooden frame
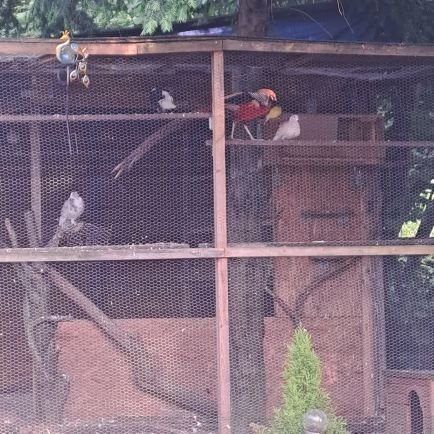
x: 164, y: 45
x: 222, y: 251
x: 251, y: 250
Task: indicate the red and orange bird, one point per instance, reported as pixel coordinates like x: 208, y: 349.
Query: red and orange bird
x: 248, y: 106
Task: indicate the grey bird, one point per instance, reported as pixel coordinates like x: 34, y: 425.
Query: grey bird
x: 71, y: 211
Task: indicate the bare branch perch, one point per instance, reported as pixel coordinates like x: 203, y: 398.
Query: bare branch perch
x: 147, y: 376
x: 145, y: 147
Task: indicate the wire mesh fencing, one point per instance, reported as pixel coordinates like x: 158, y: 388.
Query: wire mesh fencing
x: 322, y: 152
x: 342, y: 158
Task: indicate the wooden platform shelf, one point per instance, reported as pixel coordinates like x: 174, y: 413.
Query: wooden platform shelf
x: 328, y: 131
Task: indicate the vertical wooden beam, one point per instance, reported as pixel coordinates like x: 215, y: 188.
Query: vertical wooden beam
x: 368, y: 337
x: 35, y: 177
x: 373, y: 323
x: 246, y: 201
x: 220, y: 241
x: 380, y: 334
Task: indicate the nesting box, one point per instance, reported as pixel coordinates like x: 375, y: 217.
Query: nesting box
x: 331, y: 193
x: 409, y: 401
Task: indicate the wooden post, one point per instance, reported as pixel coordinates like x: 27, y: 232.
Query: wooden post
x: 220, y: 241
x: 373, y: 332
x: 35, y: 170
x: 246, y: 280
x: 35, y: 177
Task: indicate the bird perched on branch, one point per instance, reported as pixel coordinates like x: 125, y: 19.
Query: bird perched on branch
x: 71, y: 211
x: 289, y: 129
x: 162, y: 101
x: 249, y: 106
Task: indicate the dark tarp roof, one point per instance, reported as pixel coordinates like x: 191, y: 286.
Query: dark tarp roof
x: 290, y: 24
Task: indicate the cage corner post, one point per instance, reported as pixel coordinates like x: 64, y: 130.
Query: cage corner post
x: 35, y: 177
x: 220, y: 241
x: 36, y: 168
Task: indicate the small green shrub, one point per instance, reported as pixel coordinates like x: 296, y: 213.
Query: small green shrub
x: 302, y: 390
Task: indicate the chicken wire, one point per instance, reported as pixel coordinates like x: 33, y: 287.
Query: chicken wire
x: 358, y: 172
x: 354, y: 168
x: 136, y: 351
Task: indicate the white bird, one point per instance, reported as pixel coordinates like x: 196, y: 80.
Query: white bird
x: 289, y: 129
x: 71, y: 211
x: 166, y: 103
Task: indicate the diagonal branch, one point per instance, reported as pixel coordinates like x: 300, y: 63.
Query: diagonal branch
x: 314, y: 285
x: 296, y: 314
x: 166, y: 130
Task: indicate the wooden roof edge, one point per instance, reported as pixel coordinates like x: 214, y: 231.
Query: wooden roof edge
x: 139, y: 46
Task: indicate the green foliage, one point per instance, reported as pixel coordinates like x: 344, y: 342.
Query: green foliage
x: 411, y: 19
x: 302, y: 389
x: 8, y: 21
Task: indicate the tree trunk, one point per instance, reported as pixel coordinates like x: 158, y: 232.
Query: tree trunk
x: 253, y: 18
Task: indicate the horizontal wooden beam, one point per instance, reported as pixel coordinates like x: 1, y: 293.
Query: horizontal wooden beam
x: 111, y: 46
x: 104, y: 117
x: 311, y: 47
x: 261, y: 250
x: 166, y: 45
x: 250, y: 250
x: 104, y: 253
x: 332, y: 143
x: 412, y: 374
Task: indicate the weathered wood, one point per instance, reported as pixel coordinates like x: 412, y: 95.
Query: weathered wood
x: 426, y: 375
x: 304, y: 47
x: 238, y: 250
x: 103, y: 117
x: 137, y: 46
x: 220, y: 241
x: 35, y: 177
x: 374, y: 340
x: 368, y: 338
x: 104, y: 253
x: 335, y: 143
x: 256, y: 250
x: 111, y: 46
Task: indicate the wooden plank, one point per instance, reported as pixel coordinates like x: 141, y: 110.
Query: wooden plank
x: 137, y: 45
x: 251, y: 250
x: 345, y: 48
x: 179, y: 46
x: 332, y: 143
x: 35, y: 177
x: 220, y: 240
x: 106, y: 253
x: 103, y: 117
x: 111, y: 46
x: 368, y: 338
x: 218, y: 143
x: 256, y: 250
x: 380, y: 332
x: 396, y: 373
